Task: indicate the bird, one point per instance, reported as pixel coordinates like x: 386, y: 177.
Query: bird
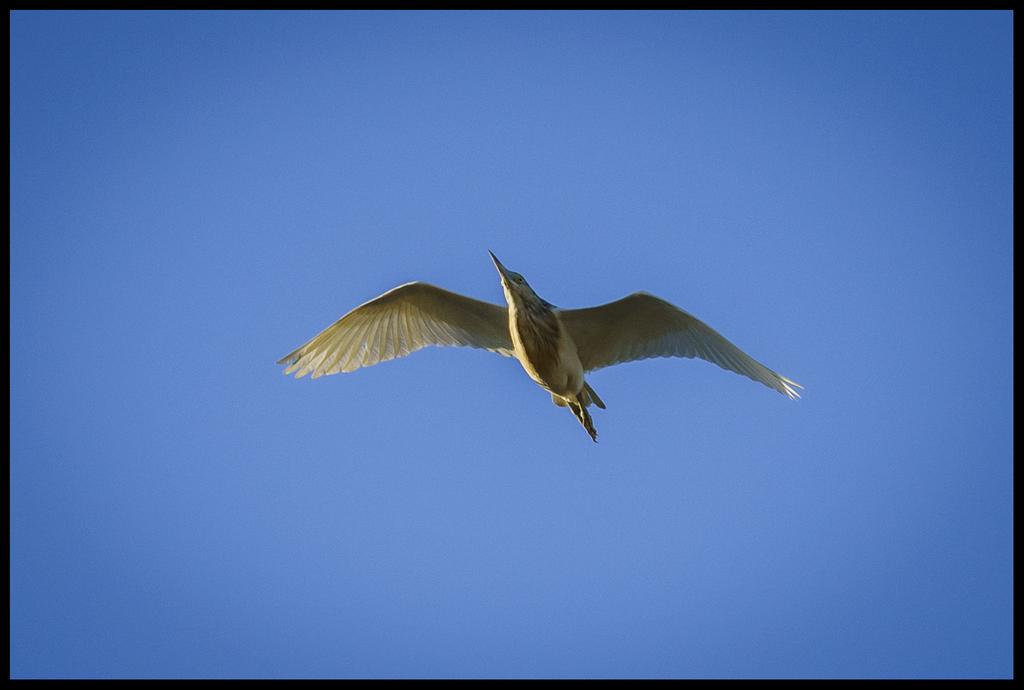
x: 556, y: 347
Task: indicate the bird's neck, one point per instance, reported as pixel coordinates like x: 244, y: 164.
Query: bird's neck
x: 534, y: 329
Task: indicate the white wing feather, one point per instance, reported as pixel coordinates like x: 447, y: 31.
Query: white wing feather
x: 402, y: 320
x: 642, y: 326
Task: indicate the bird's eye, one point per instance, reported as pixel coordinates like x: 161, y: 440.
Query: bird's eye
x: 519, y: 279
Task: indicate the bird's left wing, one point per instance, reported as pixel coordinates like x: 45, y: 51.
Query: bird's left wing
x: 402, y: 320
x: 642, y: 326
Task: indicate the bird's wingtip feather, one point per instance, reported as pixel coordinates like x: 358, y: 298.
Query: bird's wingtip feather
x: 790, y: 388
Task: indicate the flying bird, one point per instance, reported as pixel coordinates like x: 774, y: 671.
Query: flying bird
x: 556, y: 347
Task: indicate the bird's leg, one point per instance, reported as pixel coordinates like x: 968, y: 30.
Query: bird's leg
x: 580, y: 410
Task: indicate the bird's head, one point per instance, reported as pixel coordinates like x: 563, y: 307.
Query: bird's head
x: 517, y: 290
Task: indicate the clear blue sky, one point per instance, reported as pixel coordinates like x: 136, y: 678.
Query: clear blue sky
x: 195, y: 194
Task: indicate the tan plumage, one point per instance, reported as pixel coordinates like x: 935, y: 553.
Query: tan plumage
x: 642, y: 326
x: 402, y: 320
x: 556, y: 347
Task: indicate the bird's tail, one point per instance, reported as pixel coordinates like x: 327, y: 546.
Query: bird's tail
x: 579, y: 408
x: 588, y: 395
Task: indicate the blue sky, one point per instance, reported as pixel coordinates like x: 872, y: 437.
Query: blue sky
x: 195, y: 194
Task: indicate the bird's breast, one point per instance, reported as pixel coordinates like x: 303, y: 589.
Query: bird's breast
x: 545, y: 350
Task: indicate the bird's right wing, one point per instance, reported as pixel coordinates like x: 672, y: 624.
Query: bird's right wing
x: 402, y: 320
x: 642, y: 326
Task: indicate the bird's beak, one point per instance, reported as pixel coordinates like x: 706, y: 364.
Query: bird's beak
x: 502, y: 271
